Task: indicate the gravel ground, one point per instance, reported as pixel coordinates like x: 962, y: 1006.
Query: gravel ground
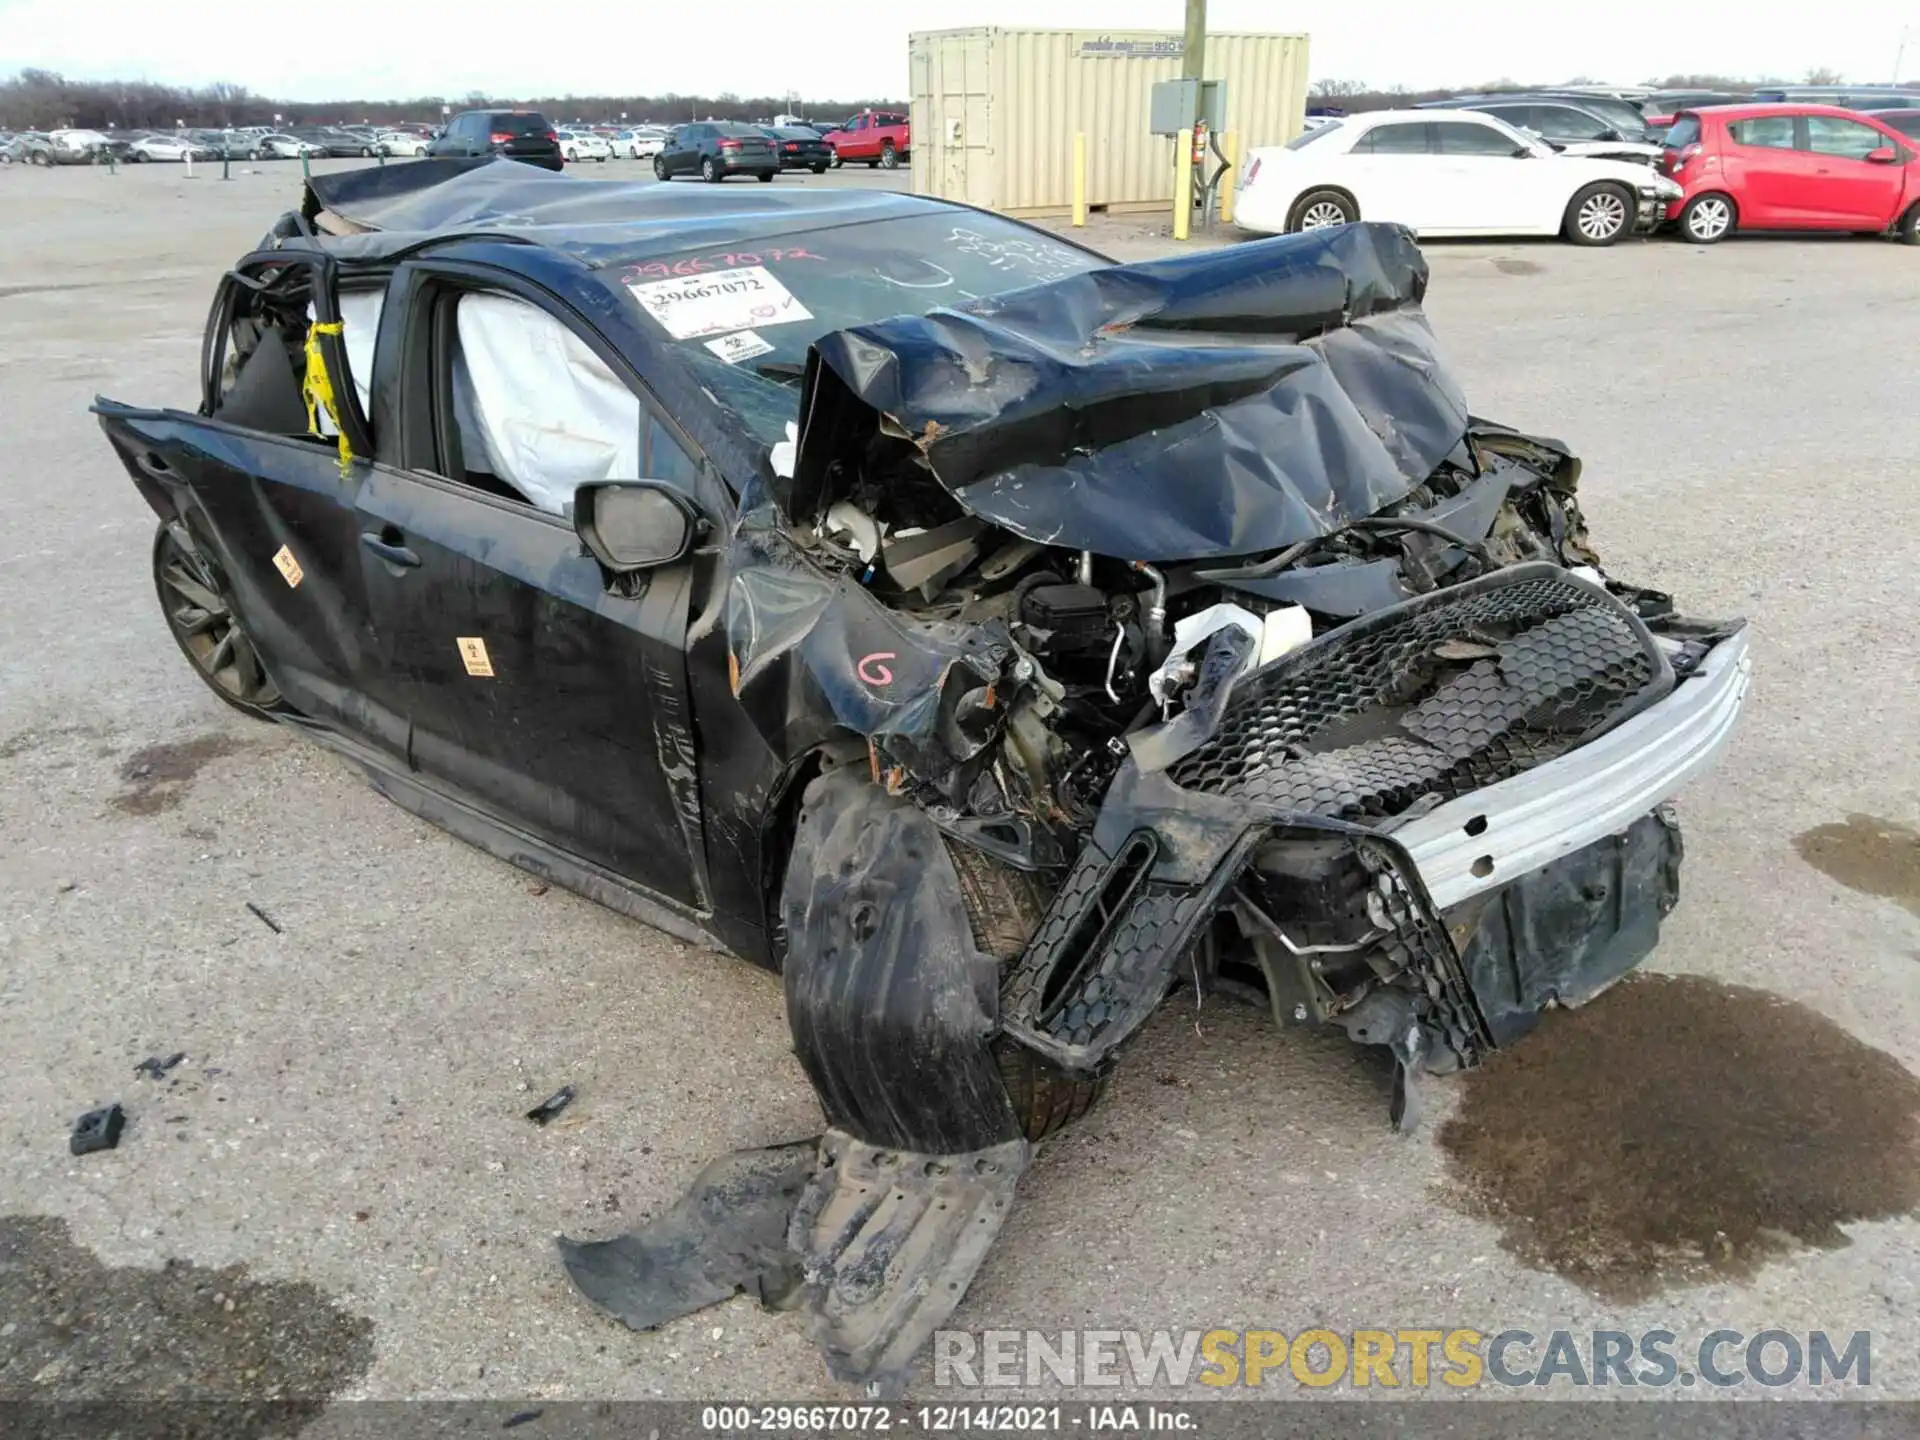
x: 339, y: 1168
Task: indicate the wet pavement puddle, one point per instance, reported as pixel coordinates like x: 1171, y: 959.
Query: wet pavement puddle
x: 1875, y: 857
x: 1678, y: 1129
x: 80, y: 1330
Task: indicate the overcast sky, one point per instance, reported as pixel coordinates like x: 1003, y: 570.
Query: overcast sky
x: 846, y: 48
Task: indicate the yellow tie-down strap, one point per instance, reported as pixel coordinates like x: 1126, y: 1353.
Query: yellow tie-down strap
x: 318, y: 389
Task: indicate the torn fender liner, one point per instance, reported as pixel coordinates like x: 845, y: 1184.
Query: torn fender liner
x: 891, y: 1241
x: 726, y: 1235
x: 878, y: 1244
x: 1206, y: 405
x: 892, y: 1004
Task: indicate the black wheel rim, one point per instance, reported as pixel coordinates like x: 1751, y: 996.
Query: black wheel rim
x: 202, y: 619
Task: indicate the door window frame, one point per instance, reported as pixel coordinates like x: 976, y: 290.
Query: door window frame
x: 415, y: 296
x: 324, y: 287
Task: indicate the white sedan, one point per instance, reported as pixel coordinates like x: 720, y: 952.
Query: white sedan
x: 1460, y: 173
x: 578, y: 145
x: 399, y: 142
x: 640, y: 143
x: 166, y: 147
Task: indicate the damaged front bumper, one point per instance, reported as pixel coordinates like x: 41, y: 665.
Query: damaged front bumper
x: 1266, y: 836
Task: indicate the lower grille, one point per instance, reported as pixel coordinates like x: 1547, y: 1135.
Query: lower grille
x: 1438, y: 697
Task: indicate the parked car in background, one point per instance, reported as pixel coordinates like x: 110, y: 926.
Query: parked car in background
x: 523, y: 135
x: 339, y: 142
x: 399, y: 143
x: 175, y: 148
x: 1598, y: 117
x: 640, y: 143
x: 801, y: 148
x: 1901, y: 122
x: 1659, y: 108
x: 1845, y: 97
x: 275, y: 146
x: 84, y: 147
x: 1790, y: 167
x: 715, y: 149
x: 578, y: 145
x: 29, y: 147
x: 1571, y: 125
x: 1441, y: 173
x: 879, y: 137
x: 228, y: 144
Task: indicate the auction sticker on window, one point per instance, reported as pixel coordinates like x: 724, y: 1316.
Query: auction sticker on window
x: 741, y: 345
x: 719, y: 301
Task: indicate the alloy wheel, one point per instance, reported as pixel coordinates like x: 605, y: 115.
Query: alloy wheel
x: 200, y: 613
x: 1709, y: 218
x: 1321, y: 214
x: 1602, y: 216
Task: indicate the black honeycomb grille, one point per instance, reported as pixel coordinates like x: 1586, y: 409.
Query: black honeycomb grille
x: 1436, y: 698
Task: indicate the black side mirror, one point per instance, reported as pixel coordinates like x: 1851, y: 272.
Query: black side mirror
x: 636, y: 524
x: 1611, y: 136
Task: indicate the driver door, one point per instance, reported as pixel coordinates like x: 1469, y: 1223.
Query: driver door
x: 541, y: 689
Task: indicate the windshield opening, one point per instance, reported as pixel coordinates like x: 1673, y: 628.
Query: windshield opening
x: 743, y: 317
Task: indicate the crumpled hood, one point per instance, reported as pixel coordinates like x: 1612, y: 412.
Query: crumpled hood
x: 1209, y: 405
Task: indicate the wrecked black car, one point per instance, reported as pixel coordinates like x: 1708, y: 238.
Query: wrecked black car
x: 988, y: 637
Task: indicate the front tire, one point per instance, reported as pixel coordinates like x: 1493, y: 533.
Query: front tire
x: 1321, y: 210
x: 1598, y: 214
x: 1005, y: 906
x: 1708, y: 219
x: 836, y: 162
x: 1908, y: 230
x: 201, y: 617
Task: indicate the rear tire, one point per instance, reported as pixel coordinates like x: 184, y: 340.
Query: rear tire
x: 1598, y: 214
x: 1004, y: 907
x: 659, y: 168
x: 889, y: 157
x: 1708, y: 219
x: 1321, y: 210
x: 818, y: 169
x: 709, y: 171
x: 200, y: 615
x: 766, y: 177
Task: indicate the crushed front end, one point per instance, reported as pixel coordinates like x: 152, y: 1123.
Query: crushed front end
x: 1168, y: 625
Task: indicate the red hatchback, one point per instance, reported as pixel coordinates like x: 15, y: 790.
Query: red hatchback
x: 1790, y: 167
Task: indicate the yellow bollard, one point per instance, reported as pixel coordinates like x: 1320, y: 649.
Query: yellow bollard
x: 1079, y: 178
x: 1183, y: 185
x: 1228, y: 180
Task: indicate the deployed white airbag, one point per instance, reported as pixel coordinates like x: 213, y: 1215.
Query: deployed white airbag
x: 536, y: 406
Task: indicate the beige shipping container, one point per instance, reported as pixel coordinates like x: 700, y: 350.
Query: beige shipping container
x: 995, y: 111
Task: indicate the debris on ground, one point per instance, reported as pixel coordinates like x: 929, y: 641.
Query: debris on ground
x: 266, y: 919
x: 155, y: 1068
x: 97, y: 1130
x: 552, y: 1105
x: 521, y: 1417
